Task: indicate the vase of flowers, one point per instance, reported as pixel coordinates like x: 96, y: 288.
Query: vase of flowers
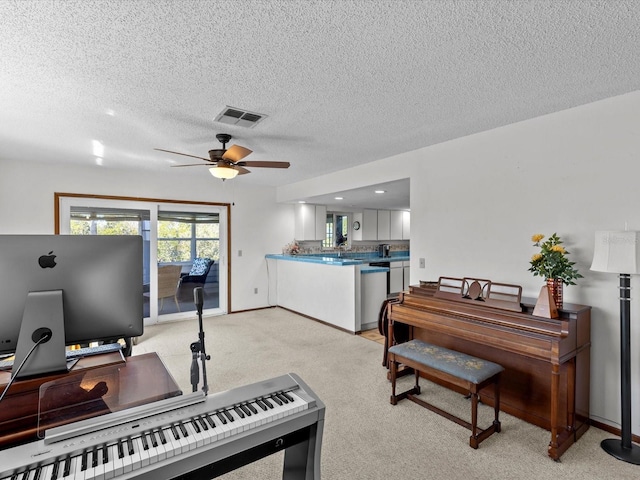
x: 553, y: 265
x: 291, y: 248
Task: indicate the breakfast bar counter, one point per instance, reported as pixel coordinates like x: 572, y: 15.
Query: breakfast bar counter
x: 342, y: 292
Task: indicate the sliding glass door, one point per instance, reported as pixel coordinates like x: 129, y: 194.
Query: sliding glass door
x: 190, y: 238
x: 185, y: 247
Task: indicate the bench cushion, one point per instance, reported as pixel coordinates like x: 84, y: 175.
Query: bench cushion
x: 458, y: 364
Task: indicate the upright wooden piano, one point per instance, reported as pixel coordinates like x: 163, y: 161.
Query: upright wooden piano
x: 546, y: 361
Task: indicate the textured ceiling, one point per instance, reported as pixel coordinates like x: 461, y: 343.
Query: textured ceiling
x: 342, y: 82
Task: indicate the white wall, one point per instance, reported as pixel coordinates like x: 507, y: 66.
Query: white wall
x: 572, y: 173
x: 476, y: 201
x: 258, y: 224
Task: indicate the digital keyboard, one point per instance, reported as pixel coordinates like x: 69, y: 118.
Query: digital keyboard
x: 189, y: 437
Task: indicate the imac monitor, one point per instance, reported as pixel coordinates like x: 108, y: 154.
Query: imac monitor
x: 62, y: 290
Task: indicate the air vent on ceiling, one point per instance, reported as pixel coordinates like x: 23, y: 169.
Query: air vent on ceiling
x: 241, y: 118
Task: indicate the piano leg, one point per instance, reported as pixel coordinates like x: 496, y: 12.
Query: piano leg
x: 302, y: 461
x: 571, y: 397
x: 301, y: 457
x: 555, y: 388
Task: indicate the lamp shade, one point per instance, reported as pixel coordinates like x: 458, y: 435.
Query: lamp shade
x: 617, y: 252
x: 223, y: 172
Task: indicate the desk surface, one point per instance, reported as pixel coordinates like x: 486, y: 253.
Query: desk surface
x: 95, y: 385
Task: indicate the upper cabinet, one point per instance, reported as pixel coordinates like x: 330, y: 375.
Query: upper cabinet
x: 321, y: 222
x: 369, y: 224
x: 406, y: 225
x: 395, y: 227
x: 384, y: 225
x: 310, y: 221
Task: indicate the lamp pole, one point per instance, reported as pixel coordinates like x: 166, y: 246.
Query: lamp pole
x: 619, y: 252
x: 623, y: 449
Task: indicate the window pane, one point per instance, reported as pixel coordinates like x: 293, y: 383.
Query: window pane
x: 342, y: 230
x: 174, y: 251
x: 170, y: 229
x: 208, y: 230
x: 328, y: 238
x: 208, y: 249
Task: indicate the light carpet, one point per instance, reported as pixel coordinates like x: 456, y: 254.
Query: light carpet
x: 365, y: 437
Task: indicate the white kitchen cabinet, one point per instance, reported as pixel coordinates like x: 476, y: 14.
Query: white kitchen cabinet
x: 406, y: 275
x: 406, y: 225
x: 396, y: 223
x: 396, y: 277
x: 310, y: 221
x: 369, y: 224
x: 321, y: 222
x: 384, y: 224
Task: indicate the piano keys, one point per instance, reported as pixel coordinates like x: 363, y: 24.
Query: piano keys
x: 546, y: 361
x: 193, y: 436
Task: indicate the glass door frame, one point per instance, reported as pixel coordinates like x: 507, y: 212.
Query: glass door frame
x: 64, y: 201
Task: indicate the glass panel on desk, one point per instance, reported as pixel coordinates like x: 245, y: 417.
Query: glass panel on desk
x: 87, y: 393
x: 77, y: 396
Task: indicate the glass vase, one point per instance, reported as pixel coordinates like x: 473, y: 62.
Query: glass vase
x: 554, y: 285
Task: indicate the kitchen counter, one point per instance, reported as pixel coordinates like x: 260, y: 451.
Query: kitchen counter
x: 344, y: 260
x: 348, y: 297
x: 326, y: 260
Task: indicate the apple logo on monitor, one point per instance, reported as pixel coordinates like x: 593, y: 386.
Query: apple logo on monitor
x: 48, y: 260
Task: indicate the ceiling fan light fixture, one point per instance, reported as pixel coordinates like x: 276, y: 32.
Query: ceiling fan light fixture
x: 224, y: 173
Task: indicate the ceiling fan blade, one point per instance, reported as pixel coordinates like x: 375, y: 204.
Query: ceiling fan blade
x: 235, y: 153
x: 195, y: 165
x: 241, y: 170
x: 265, y: 164
x: 183, y: 154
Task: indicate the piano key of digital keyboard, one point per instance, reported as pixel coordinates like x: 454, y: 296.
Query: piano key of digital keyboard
x: 142, y: 453
x: 112, y: 464
x: 47, y: 472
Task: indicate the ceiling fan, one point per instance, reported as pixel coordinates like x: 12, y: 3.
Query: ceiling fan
x: 227, y: 163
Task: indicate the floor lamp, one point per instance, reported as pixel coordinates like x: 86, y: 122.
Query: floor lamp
x: 619, y: 252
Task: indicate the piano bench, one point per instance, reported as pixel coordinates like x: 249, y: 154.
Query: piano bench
x: 455, y: 368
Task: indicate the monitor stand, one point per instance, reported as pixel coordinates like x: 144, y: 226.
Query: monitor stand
x: 43, y: 316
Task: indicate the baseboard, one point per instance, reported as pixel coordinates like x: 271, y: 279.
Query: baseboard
x: 613, y: 430
x: 319, y: 321
x: 252, y: 309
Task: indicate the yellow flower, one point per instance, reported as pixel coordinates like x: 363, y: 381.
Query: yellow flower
x: 558, y: 248
x: 537, y: 237
x: 536, y: 257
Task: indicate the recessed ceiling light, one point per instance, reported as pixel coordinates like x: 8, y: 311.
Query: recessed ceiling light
x: 381, y: 191
x: 338, y: 198
x: 301, y: 201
